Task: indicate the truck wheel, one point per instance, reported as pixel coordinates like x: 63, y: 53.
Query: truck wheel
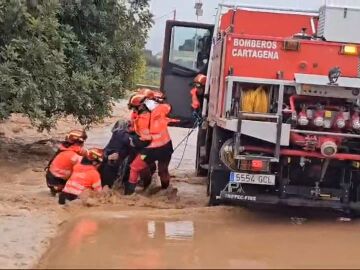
x: 218, y: 181
x: 217, y: 175
x: 201, y: 141
x: 213, y: 190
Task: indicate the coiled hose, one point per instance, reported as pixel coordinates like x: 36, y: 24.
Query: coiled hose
x: 256, y: 101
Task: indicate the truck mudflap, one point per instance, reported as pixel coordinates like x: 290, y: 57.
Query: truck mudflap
x: 237, y: 198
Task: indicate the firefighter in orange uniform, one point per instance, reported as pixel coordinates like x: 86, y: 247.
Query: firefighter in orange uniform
x: 197, y: 92
x: 135, y: 104
x: 61, y: 165
x: 85, y: 176
x: 136, y: 100
x: 151, y: 125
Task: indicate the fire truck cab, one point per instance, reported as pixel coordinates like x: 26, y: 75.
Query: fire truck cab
x: 280, y: 105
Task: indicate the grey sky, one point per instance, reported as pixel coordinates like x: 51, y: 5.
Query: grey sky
x: 162, y: 10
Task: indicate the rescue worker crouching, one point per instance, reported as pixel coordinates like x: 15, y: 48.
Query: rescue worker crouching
x: 61, y: 165
x: 151, y: 125
x: 85, y: 176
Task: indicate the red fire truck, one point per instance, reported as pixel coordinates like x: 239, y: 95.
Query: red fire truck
x: 280, y: 105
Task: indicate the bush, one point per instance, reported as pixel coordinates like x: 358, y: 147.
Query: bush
x: 69, y: 57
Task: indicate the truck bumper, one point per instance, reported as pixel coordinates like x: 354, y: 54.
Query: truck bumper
x: 235, y: 198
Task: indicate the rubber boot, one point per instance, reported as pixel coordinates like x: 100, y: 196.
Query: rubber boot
x: 165, y: 185
x: 62, y: 198
x: 130, y: 188
x: 53, y: 191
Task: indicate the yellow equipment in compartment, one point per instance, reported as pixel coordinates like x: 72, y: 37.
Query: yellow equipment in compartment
x: 256, y: 101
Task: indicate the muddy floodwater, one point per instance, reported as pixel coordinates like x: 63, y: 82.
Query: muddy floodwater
x: 160, y: 230
x: 204, y: 238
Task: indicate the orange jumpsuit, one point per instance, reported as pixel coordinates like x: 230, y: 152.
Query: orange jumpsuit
x: 197, y: 91
x: 83, y: 177
x: 64, y: 162
x: 60, y: 168
x: 153, y: 126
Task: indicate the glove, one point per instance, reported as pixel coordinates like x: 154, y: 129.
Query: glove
x: 136, y: 142
x: 113, y: 157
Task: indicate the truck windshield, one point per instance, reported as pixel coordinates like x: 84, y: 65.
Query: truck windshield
x: 190, y: 47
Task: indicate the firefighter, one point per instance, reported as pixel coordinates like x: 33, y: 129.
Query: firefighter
x: 197, y: 94
x: 151, y: 125
x: 137, y: 99
x: 60, y: 166
x: 85, y: 176
x: 136, y: 105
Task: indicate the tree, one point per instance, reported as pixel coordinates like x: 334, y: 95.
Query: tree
x: 69, y: 57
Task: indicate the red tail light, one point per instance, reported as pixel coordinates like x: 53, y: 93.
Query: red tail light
x: 257, y: 165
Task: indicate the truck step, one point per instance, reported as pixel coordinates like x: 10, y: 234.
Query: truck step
x: 204, y: 166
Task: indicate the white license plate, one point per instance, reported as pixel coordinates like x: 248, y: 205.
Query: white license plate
x: 256, y: 179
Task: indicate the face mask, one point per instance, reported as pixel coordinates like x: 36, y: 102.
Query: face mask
x: 150, y: 104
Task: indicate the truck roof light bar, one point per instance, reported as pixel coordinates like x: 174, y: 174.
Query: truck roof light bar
x: 266, y: 8
x: 349, y: 50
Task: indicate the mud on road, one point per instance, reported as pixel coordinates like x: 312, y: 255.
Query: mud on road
x: 203, y: 238
x: 30, y: 217
x: 168, y: 229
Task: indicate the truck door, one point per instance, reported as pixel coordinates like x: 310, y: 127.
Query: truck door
x: 186, y: 54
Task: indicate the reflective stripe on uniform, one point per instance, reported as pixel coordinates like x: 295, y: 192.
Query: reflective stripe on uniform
x: 72, y: 190
x: 76, y: 185
x: 61, y: 173
x: 97, y: 186
x: 161, y: 139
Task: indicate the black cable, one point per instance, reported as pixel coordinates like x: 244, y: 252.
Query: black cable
x: 183, y: 153
x: 186, y: 139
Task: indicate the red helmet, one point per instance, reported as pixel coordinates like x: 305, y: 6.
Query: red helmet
x: 136, y: 100
x: 146, y: 92
x: 151, y: 94
x: 76, y: 136
x: 200, y: 79
x: 95, y: 154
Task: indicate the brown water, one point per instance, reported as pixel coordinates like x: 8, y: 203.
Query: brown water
x: 204, y: 238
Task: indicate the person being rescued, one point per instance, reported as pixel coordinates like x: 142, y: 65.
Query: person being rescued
x: 85, y: 176
x: 115, y: 153
x: 151, y: 127
x: 61, y: 165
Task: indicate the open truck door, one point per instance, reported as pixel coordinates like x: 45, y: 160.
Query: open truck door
x: 186, y: 54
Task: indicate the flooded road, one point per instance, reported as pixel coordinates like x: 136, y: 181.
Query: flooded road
x: 204, y: 238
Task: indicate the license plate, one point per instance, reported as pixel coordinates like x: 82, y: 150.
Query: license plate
x: 256, y: 179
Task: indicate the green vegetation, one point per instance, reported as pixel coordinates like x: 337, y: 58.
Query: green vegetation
x: 69, y: 57
x: 151, y: 76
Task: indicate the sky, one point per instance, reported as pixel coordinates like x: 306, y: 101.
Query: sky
x: 163, y: 10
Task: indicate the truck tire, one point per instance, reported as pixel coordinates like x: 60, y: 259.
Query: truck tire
x: 218, y: 181
x: 217, y: 176
x: 201, y: 141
